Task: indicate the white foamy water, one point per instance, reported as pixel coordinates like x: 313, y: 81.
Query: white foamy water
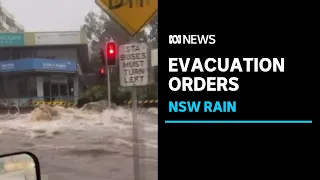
x: 82, y: 144
x: 53, y: 121
x: 153, y: 110
x: 75, y: 119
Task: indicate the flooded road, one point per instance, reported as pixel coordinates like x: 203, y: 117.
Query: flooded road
x: 80, y: 145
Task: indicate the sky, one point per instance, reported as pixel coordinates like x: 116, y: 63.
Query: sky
x: 50, y: 15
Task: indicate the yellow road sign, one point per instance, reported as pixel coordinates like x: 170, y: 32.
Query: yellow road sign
x: 132, y: 15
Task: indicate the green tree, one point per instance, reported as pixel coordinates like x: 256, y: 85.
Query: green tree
x: 100, y: 29
x: 153, y: 31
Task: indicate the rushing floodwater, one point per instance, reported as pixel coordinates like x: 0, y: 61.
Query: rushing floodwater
x: 74, y: 144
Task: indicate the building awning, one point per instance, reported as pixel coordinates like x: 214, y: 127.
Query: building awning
x: 35, y: 64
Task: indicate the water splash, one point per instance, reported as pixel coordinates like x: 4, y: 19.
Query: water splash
x: 52, y: 122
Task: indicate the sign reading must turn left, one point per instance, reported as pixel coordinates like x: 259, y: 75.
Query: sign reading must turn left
x: 133, y: 63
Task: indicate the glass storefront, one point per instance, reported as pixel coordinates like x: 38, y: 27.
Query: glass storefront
x: 17, y: 90
x: 23, y: 89
x: 58, y: 87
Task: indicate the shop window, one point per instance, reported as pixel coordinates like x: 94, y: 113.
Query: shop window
x: 23, y: 87
x: 70, y: 86
x: 2, y: 87
x: 16, y: 53
x: 27, y: 53
x: 5, y: 54
x: 32, y: 86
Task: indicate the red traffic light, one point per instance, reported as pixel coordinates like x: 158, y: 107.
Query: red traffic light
x: 111, y: 52
x: 102, y: 71
x: 111, y: 48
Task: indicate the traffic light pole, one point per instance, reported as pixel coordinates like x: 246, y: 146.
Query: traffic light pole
x: 110, y: 52
x: 109, y: 87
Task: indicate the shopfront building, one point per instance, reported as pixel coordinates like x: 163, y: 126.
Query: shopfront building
x: 41, y: 73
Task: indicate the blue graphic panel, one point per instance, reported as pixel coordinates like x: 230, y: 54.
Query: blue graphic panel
x: 16, y: 65
x: 54, y: 65
x: 39, y: 65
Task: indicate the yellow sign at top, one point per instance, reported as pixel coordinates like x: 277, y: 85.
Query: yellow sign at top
x: 132, y: 15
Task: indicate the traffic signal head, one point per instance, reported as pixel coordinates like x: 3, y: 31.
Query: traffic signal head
x: 102, y: 71
x: 102, y: 57
x: 111, y: 53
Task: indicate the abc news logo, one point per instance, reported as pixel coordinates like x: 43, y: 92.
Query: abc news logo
x: 192, y: 39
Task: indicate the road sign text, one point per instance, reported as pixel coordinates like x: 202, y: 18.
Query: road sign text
x: 115, y: 4
x: 133, y: 64
x: 132, y: 15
